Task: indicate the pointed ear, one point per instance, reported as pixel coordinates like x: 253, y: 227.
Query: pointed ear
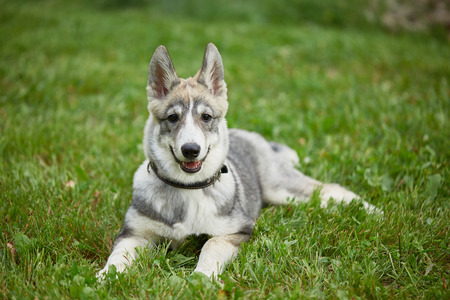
x: 212, y: 74
x: 161, y: 74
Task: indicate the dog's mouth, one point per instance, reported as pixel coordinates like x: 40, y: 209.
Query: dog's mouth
x: 189, y: 166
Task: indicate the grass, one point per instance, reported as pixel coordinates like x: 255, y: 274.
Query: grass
x: 363, y: 107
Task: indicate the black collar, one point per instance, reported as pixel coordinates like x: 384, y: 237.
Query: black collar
x: 190, y: 186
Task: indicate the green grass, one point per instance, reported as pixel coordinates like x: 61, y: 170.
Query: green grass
x: 363, y: 107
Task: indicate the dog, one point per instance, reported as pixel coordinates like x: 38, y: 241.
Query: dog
x: 200, y: 177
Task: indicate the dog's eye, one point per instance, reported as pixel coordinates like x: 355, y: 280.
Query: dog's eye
x: 173, y: 118
x: 206, y: 117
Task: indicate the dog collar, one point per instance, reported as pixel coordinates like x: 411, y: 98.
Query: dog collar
x: 190, y: 186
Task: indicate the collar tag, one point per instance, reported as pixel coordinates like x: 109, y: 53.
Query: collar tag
x: 224, y: 169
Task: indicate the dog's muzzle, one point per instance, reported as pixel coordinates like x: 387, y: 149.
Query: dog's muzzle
x: 191, y: 152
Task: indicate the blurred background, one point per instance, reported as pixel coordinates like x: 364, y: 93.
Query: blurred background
x: 414, y: 15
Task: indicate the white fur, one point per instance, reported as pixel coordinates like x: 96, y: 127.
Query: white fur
x: 200, y: 209
x: 123, y: 254
x: 190, y: 133
x: 216, y: 253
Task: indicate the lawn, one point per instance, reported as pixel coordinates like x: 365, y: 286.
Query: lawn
x: 362, y: 105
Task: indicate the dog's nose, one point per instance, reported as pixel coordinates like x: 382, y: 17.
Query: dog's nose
x: 190, y: 150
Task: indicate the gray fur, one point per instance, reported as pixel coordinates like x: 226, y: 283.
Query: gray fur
x: 172, y: 207
x: 125, y: 232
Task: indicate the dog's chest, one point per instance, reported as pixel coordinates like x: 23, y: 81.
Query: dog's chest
x: 207, y: 213
x: 176, y: 213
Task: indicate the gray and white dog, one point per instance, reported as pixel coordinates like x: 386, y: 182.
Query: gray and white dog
x: 200, y: 177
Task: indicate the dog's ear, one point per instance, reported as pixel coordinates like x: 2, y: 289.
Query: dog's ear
x: 161, y: 74
x: 211, y: 74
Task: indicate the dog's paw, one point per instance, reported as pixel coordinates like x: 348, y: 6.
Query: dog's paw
x: 110, y: 268
x: 336, y: 192
x: 211, y: 275
x: 371, y: 209
x: 101, y: 275
x: 206, y: 272
x: 340, y: 194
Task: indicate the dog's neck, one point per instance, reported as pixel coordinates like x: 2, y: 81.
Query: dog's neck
x: 190, y: 186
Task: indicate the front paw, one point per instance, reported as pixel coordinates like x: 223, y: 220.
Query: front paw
x: 207, y: 273
x: 101, y: 275
x: 110, y: 269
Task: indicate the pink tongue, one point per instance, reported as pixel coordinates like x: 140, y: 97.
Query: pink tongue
x: 192, y: 164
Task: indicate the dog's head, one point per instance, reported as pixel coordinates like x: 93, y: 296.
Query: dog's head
x: 186, y: 133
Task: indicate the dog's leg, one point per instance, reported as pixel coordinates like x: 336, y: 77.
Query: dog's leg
x: 340, y: 194
x: 217, y: 252
x: 301, y: 187
x: 124, y: 252
x: 287, y: 182
x: 281, y: 181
